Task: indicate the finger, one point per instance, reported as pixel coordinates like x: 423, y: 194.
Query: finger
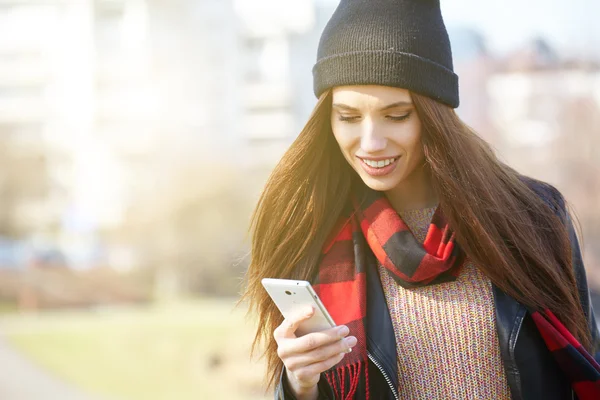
x: 315, y: 340
x: 289, y: 326
x: 321, y: 354
x: 317, y: 368
x: 311, y: 341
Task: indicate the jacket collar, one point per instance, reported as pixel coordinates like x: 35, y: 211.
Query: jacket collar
x: 381, y: 341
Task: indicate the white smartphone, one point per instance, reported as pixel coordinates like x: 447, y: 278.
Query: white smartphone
x: 291, y: 295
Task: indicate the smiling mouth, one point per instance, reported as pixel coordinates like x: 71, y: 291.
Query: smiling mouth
x: 380, y: 163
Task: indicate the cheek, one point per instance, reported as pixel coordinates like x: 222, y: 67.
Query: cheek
x: 346, y: 146
x: 344, y: 139
x: 411, y: 141
x: 416, y: 148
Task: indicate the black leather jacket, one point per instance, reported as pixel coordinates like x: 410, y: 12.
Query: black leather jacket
x: 530, y: 370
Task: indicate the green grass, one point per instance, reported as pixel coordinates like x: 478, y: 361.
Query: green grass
x: 193, y: 350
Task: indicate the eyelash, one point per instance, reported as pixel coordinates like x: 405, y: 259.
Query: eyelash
x: 395, y: 119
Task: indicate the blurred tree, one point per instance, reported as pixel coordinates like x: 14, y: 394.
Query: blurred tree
x: 191, y: 233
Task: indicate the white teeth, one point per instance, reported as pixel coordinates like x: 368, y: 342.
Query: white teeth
x: 379, y: 164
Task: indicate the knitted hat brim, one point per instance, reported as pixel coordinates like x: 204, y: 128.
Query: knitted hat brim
x: 396, y: 69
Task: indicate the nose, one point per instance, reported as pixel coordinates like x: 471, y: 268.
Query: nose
x: 370, y: 142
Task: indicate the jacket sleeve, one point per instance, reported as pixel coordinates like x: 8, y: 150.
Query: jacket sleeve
x: 582, y: 285
x: 283, y: 392
x: 555, y: 200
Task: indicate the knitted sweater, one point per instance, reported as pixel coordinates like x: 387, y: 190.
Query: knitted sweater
x: 446, y: 335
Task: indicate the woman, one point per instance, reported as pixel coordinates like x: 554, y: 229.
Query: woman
x: 448, y: 273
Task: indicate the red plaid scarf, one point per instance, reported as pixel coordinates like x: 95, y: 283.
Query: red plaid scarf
x: 341, y: 285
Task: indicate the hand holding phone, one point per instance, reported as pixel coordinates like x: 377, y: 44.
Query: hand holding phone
x: 307, y: 356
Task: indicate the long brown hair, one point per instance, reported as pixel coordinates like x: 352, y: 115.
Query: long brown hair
x: 503, y: 226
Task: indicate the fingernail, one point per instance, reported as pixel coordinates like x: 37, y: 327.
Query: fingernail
x: 343, y: 331
x: 309, y: 310
x: 350, y: 342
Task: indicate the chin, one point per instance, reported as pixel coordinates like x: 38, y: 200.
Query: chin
x: 380, y: 184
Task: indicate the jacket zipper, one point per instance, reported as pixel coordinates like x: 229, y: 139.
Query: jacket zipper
x: 512, y: 346
x: 385, y: 376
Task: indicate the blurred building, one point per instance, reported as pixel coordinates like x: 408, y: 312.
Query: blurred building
x: 474, y: 65
x: 196, y: 68
x: 115, y: 95
x: 278, y: 44
x: 74, y: 83
x: 546, y: 111
x: 27, y: 72
x: 233, y: 74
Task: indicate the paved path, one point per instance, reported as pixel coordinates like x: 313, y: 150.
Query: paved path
x: 20, y: 379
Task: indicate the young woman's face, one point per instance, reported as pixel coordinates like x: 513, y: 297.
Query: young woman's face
x: 379, y: 133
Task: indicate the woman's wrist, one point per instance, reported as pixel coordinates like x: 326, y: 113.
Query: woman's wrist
x: 306, y: 393
x: 302, y: 393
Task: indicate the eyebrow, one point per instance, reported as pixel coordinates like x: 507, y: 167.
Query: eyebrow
x: 393, y: 105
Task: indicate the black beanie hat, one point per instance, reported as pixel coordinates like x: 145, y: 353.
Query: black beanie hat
x: 400, y: 43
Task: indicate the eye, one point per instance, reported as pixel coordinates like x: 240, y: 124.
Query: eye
x: 344, y: 118
x: 399, y: 117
